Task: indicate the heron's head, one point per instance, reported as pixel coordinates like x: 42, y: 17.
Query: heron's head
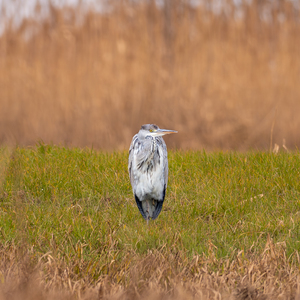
x: 153, y: 130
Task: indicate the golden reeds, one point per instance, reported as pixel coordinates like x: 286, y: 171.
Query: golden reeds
x: 160, y: 274
x: 93, y: 79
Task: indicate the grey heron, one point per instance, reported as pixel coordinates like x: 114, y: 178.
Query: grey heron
x: 148, y: 169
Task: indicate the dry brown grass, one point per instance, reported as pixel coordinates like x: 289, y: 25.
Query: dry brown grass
x: 223, y: 82
x: 157, y: 275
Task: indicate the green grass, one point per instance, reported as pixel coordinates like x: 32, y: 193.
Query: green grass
x: 79, y: 203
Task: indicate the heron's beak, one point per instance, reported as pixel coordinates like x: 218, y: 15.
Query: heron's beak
x: 160, y: 132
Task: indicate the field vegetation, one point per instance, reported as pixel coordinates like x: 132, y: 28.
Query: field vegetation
x: 82, y: 83
x: 70, y: 228
x: 225, y: 77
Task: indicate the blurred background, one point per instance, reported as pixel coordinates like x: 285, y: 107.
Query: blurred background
x: 225, y: 74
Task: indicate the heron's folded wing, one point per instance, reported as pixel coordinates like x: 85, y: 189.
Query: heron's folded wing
x: 142, y: 150
x: 132, y: 149
x: 138, y: 155
x: 159, y: 205
x: 158, y: 208
x: 140, y: 207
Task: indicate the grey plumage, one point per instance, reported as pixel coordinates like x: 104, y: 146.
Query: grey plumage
x: 148, y: 169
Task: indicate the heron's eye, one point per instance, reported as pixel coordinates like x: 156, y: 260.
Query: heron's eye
x: 151, y: 130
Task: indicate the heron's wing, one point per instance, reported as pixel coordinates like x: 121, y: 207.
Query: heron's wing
x: 130, y: 159
x: 159, y: 203
x: 138, y: 154
x: 159, y: 206
x: 140, y: 207
x: 142, y: 151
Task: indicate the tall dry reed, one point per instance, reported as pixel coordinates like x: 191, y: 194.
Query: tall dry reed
x: 159, y: 274
x: 226, y: 80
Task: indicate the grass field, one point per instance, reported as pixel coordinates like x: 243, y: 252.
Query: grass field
x: 69, y: 224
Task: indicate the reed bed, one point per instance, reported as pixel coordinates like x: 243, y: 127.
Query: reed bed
x: 226, y: 79
x: 159, y: 274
